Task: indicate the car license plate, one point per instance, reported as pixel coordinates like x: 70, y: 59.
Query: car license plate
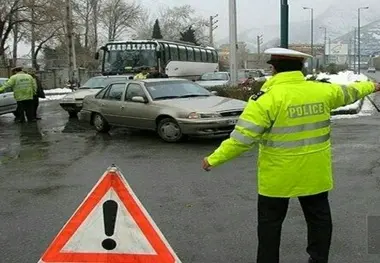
x: 232, y: 122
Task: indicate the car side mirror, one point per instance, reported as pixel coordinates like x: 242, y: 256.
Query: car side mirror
x: 214, y: 92
x: 139, y: 99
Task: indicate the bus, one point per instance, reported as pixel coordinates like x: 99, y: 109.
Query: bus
x: 175, y: 58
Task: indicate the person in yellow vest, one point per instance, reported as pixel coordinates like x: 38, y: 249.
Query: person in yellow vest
x: 143, y: 74
x: 290, y: 120
x: 24, y: 87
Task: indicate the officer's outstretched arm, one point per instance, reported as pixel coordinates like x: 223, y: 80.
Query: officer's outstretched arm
x: 345, y: 95
x: 9, y: 84
x: 256, y: 118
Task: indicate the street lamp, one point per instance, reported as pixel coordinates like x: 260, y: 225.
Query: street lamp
x: 325, y: 44
x: 312, y: 34
x: 360, y: 8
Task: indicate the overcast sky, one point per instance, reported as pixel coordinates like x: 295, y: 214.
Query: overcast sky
x: 251, y: 13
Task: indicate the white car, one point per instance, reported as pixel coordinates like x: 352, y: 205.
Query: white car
x: 72, y: 102
x: 371, y: 70
x: 7, y: 102
x: 214, y: 79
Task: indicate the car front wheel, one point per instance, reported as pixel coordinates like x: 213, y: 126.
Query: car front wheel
x: 100, y: 124
x: 169, y: 130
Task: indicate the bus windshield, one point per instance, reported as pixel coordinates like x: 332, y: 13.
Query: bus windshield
x: 119, y: 59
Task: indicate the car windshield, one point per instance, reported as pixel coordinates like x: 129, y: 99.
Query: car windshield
x: 214, y: 76
x: 175, y: 89
x: 99, y: 83
x: 2, y: 81
x: 128, y: 57
x: 248, y: 74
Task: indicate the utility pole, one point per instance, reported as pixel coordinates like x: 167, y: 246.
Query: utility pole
x: 233, y: 41
x: 325, y: 45
x: 212, y: 27
x: 259, y: 42
x: 70, y: 43
x: 284, y: 24
x: 360, y: 8
x: 69, y: 39
x: 311, y: 36
x: 355, y: 49
x: 15, y: 39
x: 328, y: 57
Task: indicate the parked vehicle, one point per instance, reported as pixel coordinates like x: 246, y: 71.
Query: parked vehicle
x: 72, y: 102
x: 177, y: 59
x: 214, y: 79
x: 7, y: 102
x: 174, y: 108
x: 371, y: 70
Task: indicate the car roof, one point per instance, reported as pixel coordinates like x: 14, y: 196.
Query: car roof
x: 162, y: 80
x: 112, y: 76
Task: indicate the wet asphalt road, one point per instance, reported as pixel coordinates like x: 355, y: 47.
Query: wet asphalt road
x: 47, y: 169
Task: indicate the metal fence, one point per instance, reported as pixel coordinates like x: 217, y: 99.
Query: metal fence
x: 54, y: 78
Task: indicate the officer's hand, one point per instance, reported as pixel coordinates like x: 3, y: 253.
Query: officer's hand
x: 377, y: 87
x: 205, y: 165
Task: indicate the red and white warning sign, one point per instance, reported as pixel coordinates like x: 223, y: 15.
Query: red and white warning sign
x: 111, y: 225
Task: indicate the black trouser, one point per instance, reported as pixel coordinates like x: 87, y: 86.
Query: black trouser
x: 36, y: 103
x: 25, y: 107
x: 271, y: 214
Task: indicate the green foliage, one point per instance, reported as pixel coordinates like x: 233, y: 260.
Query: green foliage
x: 240, y: 93
x: 189, y: 36
x: 157, y: 31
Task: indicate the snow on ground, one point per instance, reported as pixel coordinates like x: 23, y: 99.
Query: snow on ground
x: 52, y: 97
x: 344, y: 78
x: 57, y: 91
x: 366, y: 110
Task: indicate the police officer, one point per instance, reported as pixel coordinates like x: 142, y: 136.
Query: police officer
x: 156, y: 74
x: 24, y: 87
x: 290, y: 119
x: 143, y: 74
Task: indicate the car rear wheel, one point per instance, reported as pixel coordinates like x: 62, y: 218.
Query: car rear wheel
x: 73, y: 114
x: 100, y: 124
x: 169, y: 130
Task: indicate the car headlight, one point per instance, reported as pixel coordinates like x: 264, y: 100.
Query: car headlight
x: 204, y: 115
x: 68, y: 98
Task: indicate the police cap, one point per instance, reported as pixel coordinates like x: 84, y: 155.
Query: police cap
x: 279, y: 54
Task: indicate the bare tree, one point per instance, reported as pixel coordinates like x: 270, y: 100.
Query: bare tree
x: 173, y: 21
x: 11, y: 14
x: 45, y: 24
x: 117, y: 16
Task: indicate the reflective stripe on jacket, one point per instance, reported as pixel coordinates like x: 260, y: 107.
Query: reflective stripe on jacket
x: 291, y: 122
x: 23, y: 86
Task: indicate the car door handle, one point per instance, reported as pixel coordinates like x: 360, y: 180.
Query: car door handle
x: 122, y: 107
x: 102, y: 104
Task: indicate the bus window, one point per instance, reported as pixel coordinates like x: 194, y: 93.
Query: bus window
x: 215, y: 57
x: 203, y: 55
x: 174, y: 53
x: 190, y: 54
x: 182, y: 53
x: 167, y: 53
x: 197, y: 52
x: 209, y: 56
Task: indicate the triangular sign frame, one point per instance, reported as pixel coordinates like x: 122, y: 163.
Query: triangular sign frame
x: 111, y: 179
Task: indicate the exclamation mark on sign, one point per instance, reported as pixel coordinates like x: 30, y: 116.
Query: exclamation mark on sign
x: 109, y: 215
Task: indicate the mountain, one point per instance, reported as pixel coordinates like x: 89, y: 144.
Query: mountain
x: 339, y: 19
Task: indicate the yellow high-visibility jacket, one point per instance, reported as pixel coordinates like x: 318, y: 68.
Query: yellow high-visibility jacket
x: 290, y: 119
x: 141, y: 76
x: 23, y: 86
